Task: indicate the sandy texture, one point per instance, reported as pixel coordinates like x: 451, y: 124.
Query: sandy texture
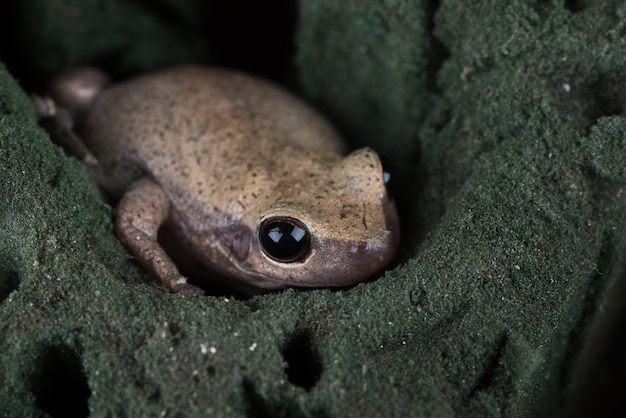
x: 508, y: 122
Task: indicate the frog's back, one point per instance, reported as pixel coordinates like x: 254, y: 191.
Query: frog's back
x: 179, y: 124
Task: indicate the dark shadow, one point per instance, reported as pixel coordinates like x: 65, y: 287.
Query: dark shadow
x: 439, y: 52
x: 257, y: 37
x: 11, y: 42
x: 59, y: 384
x: 596, y: 385
x: 591, y: 100
x: 258, y: 407
x: 492, y: 368
x: 9, y: 282
x: 304, y: 367
x: 574, y: 6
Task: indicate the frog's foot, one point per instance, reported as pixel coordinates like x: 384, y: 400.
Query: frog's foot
x: 188, y: 291
x: 140, y: 213
x: 58, y: 123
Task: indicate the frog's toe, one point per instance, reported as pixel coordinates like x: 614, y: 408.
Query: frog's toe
x: 188, y: 291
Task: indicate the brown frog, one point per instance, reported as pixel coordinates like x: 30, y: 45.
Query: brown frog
x: 250, y: 183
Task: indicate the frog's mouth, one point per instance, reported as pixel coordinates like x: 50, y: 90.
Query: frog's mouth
x: 327, y: 263
x: 289, y: 249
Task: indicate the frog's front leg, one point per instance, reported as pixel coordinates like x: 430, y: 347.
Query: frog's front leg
x: 140, y: 213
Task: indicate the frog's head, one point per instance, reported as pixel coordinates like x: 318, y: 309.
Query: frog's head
x: 336, y: 228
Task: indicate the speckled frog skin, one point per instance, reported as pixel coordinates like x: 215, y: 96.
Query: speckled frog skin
x: 250, y: 183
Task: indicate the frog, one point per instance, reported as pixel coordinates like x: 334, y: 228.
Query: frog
x: 249, y: 185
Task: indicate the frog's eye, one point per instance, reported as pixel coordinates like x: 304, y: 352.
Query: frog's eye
x: 388, y: 174
x: 284, y: 239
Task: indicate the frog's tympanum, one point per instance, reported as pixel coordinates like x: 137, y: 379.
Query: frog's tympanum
x: 247, y: 181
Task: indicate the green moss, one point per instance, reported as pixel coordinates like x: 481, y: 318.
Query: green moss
x: 507, y: 119
x: 366, y: 65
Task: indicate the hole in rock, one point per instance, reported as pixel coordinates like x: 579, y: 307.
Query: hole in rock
x: 304, y: 367
x: 9, y: 281
x: 259, y: 407
x: 59, y: 384
x: 604, y: 96
x: 609, y: 95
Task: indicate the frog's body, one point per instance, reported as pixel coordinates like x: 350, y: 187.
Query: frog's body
x: 216, y: 153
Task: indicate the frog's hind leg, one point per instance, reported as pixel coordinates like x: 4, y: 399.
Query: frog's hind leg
x: 140, y: 213
x: 69, y: 96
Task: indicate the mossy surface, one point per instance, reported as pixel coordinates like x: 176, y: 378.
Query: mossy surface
x: 507, y: 121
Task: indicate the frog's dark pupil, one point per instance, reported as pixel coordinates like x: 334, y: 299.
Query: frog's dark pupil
x: 284, y: 239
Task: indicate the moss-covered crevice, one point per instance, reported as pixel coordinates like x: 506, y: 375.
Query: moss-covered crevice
x: 507, y: 123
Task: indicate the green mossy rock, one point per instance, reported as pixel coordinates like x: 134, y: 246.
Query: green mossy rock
x: 508, y: 124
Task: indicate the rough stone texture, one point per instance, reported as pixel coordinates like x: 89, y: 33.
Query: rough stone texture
x: 508, y: 120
